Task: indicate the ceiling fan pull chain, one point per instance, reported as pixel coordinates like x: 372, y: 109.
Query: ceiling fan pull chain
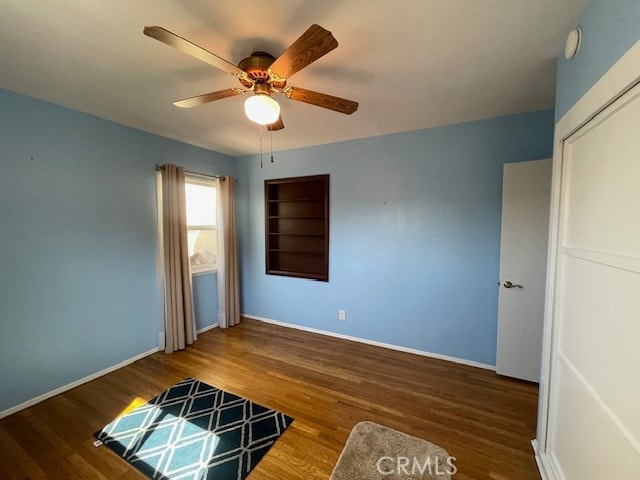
x: 260, y: 135
x: 271, y: 146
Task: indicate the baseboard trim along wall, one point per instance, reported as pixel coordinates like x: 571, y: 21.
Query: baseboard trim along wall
x: 124, y: 363
x: 207, y: 328
x: 75, y: 384
x: 544, y: 466
x: 462, y: 361
x: 202, y: 330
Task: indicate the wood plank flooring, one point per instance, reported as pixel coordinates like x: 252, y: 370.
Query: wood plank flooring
x: 328, y: 385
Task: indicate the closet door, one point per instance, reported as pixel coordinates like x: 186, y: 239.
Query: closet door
x: 594, y: 421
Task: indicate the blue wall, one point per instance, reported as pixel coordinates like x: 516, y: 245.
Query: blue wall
x: 610, y: 28
x: 414, y: 234
x: 78, y: 243
x: 205, y: 299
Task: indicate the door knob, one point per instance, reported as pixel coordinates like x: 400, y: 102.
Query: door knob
x: 508, y: 284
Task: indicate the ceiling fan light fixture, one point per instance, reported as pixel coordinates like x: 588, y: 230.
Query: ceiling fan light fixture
x: 262, y: 109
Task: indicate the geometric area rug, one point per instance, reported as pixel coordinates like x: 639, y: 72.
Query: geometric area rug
x: 195, y: 431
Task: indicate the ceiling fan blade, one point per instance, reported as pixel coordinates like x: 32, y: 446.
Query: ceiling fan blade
x: 185, y: 46
x: 323, y: 100
x: 208, y: 97
x: 312, y: 44
x: 277, y: 125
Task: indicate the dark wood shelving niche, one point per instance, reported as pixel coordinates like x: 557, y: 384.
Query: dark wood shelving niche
x: 297, y: 227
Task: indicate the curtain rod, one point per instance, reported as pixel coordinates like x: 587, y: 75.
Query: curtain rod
x: 196, y: 174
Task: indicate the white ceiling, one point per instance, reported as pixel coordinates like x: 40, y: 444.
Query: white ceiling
x: 410, y: 63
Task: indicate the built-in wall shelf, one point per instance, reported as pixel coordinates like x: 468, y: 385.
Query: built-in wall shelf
x: 297, y: 227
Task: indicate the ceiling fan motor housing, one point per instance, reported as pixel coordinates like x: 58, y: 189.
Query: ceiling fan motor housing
x: 256, y: 67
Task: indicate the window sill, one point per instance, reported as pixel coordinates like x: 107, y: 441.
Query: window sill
x: 196, y: 272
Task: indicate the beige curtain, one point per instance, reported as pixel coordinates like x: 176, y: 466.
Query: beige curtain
x: 228, y: 281
x: 178, y: 301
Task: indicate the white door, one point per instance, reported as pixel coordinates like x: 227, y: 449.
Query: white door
x: 594, y: 408
x: 526, y: 198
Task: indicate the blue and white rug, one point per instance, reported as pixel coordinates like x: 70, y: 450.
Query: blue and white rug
x: 195, y: 431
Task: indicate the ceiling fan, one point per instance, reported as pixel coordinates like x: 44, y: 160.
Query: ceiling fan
x: 264, y: 75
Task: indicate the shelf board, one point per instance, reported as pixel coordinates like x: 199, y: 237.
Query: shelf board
x: 301, y: 199
x: 311, y: 217
x: 295, y: 251
x: 312, y: 276
x: 299, y: 234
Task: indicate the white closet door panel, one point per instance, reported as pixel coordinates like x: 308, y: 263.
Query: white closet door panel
x: 588, y: 450
x: 601, y: 337
x: 594, y: 419
x: 602, y: 190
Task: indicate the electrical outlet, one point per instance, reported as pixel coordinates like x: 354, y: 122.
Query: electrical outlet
x: 342, y: 315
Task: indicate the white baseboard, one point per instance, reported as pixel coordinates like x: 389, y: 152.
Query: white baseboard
x: 202, y: 330
x: 462, y: 361
x: 545, y: 464
x: 207, y: 328
x: 75, y: 384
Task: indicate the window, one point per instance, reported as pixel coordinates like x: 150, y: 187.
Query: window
x: 201, y: 225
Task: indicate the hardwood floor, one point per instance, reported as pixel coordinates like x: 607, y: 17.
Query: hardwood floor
x: 328, y: 385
